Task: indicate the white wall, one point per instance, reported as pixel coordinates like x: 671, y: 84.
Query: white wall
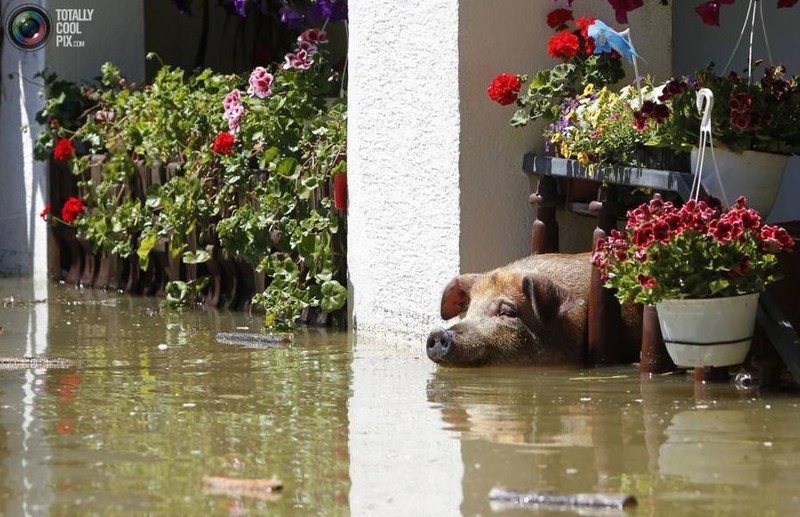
x: 435, y: 179
x: 403, y: 155
x: 115, y: 34
x: 23, y: 182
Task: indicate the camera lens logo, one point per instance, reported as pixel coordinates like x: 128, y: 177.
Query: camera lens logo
x: 28, y: 27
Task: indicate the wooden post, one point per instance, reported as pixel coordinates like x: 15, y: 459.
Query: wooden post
x: 544, y: 233
x: 605, y: 318
x: 212, y: 297
x: 654, y: 357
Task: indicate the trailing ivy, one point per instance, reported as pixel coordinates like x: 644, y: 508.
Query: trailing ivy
x: 261, y: 191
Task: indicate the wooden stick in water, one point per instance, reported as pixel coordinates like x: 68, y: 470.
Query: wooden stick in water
x: 520, y: 499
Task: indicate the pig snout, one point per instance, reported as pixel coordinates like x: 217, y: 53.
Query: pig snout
x: 439, y: 345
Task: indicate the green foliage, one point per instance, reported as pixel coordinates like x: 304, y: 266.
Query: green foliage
x: 694, y: 251
x: 180, y: 293
x: 760, y: 115
x: 266, y: 201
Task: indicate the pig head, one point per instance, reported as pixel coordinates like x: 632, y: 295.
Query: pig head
x: 533, y: 311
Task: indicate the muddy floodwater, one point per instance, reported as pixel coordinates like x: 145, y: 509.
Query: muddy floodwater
x: 152, y: 405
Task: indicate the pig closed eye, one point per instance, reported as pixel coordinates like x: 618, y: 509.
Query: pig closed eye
x: 509, y: 311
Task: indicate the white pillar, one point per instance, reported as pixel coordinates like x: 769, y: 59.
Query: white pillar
x: 23, y: 239
x: 403, y: 161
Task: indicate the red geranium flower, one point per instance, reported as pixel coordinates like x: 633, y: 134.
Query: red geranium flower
x: 558, y: 18
x: 583, y: 24
x: 64, y: 150
x: 504, y: 89
x: 223, y: 144
x: 46, y: 212
x: 564, y: 45
x: 73, y: 207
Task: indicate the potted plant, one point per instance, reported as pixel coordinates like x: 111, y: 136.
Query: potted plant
x: 753, y: 125
x: 701, y: 266
x: 549, y: 89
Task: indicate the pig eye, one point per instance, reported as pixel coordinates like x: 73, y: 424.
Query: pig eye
x: 508, y: 310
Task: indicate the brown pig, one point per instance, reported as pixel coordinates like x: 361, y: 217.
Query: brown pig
x: 530, y: 312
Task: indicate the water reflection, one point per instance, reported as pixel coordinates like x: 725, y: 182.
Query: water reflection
x: 680, y: 450
x: 153, y: 404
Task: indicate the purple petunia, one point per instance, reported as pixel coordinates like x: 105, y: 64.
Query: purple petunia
x: 241, y: 7
x: 332, y: 10
x: 291, y: 17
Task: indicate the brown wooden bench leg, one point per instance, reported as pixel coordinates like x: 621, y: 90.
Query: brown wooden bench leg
x: 654, y: 356
x: 605, y: 318
x: 212, y: 298
x: 544, y: 233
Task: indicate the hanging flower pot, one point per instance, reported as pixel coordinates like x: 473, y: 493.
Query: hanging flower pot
x: 708, y: 331
x: 755, y: 175
x: 340, y: 191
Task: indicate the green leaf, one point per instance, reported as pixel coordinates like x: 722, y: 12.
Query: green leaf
x: 287, y: 167
x: 146, y: 244
x: 334, y: 296
x: 196, y: 257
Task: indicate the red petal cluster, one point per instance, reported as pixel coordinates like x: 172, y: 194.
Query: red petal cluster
x: 558, y: 18
x: 63, y: 150
x: 564, y: 45
x: 504, y: 89
x: 223, y: 143
x: 73, y: 207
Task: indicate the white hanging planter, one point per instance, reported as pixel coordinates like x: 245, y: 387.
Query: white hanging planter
x: 708, y: 331
x: 753, y: 174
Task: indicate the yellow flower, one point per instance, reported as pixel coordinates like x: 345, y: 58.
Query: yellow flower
x: 583, y: 157
x: 589, y: 89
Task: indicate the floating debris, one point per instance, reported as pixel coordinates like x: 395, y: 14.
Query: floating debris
x: 12, y: 363
x: 504, y: 499
x: 264, y: 489
x: 253, y: 340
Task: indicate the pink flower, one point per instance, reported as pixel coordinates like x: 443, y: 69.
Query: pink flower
x: 260, y: 83
x: 309, y: 48
x: 234, y: 117
x: 647, y: 282
x: 234, y: 111
x: 313, y: 36
x: 234, y: 98
x: 299, y: 60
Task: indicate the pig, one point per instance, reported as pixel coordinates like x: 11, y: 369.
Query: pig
x: 530, y: 312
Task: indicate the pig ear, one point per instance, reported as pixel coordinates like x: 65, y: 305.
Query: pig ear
x: 548, y: 299
x: 456, y: 296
